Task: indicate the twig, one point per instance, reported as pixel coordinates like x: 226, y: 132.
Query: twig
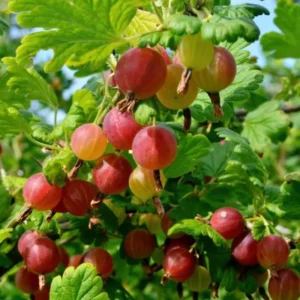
x: 242, y: 113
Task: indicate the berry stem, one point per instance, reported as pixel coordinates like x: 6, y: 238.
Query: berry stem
x: 179, y: 290
x: 164, y: 279
x: 159, y: 207
x: 187, y: 119
x: 74, y: 172
x: 215, y: 289
x: 195, y: 296
x: 50, y: 216
x: 184, y: 82
x: 157, y: 12
x: 157, y: 179
x: 42, y: 281
x: 96, y: 203
x: 263, y: 293
x: 24, y: 215
x: 216, y: 102
x: 49, y: 147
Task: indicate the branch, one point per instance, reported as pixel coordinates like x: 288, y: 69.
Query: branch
x: 241, y: 113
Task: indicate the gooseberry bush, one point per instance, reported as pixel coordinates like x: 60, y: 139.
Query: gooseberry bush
x: 172, y: 172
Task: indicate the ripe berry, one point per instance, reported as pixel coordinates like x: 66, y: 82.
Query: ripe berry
x: 88, y: 142
x: 42, y: 257
x: 75, y: 260
x: 64, y: 257
x: 26, y: 281
x: 101, y: 260
x: 272, y: 252
x: 154, y: 147
x: 120, y: 129
x: 139, y: 244
x: 142, y: 183
x: 162, y: 51
x: 60, y: 207
x: 44, y: 294
x: 77, y: 196
x: 219, y: 74
x: 200, y: 280
x: 285, y: 286
x: 168, y: 95
x: 111, y: 174
x: 141, y: 72
x: 26, y: 239
x: 179, y: 264
x: 261, y: 278
x: 185, y: 242
x: 228, y: 222
x: 244, y: 249
x: 39, y: 194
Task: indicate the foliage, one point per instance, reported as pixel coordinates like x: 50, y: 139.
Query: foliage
x: 247, y: 159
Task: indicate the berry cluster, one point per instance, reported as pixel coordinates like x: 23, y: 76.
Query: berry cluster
x: 140, y: 74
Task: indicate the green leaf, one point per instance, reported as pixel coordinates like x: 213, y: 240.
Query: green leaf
x: 147, y: 109
x: 80, y: 284
x: 42, y: 132
x: 215, y: 162
x: 218, y: 255
x: 196, y: 229
x: 116, y: 291
x: 259, y: 230
x: 246, y: 10
x: 287, y: 43
x: 3, y: 26
x: 190, y: 150
x: 223, y: 28
x: 229, y: 280
x: 86, y: 100
x: 143, y: 22
x: 9, y: 96
x: 182, y: 24
x: 13, y: 183
x: 5, y: 234
x: 4, y: 203
x: 73, y: 119
x: 187, y: 208
x: 81, y: 33
x: 164, y: 38
x: 29, y: 83
x: 263, y: 124
x: 11, y: 122
x: 248, y: 284
x: 289, y: 197
x: 57, y: 167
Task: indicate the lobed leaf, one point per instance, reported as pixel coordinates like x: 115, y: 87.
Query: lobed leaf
x: 263, y: 125
x: 81, y: 33
x: 29, y: 83
x: 190, y: 149
x: 80, y: 284
x: 12, y: 122
x: 287, y: 43
x: 196, y: 229
x: 247, y: 10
